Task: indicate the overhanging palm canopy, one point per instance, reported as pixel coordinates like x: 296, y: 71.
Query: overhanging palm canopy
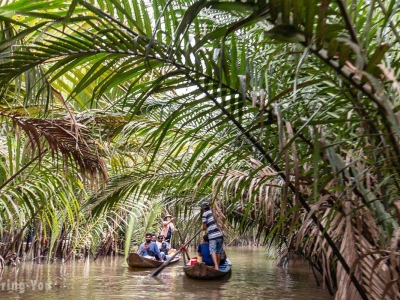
x: 308, y: 88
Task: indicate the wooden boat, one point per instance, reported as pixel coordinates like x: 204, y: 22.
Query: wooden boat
x: 202, y: 271
x: 136, y: 261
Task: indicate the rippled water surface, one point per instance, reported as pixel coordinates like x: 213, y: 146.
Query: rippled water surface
x: 253, y: 277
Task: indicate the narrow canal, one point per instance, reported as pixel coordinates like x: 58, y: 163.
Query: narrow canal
x: 253, y: 277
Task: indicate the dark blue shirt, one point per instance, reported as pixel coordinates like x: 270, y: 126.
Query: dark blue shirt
x: 204, y: 249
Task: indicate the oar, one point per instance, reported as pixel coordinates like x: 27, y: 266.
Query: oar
x: 182, y: 241
x: 166, y: 263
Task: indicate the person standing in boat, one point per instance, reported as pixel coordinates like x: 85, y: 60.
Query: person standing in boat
x: 215, y: 236
x: 149, y: 249
x: 204, y: 251
x: 167, y: 228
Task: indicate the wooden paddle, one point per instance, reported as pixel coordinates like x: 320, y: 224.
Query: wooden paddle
x: 182, y: 241
x: 166, y: 263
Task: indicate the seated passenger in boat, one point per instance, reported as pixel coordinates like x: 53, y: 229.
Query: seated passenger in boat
x: 154, y: 238
x: 204, y: 251
x: 160, y: 240
x: 150, y: 250
x: 163, y: 246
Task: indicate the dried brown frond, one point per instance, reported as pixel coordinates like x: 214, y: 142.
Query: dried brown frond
x: 343, y: 214
x: 260, y: 191
x: 68, y: 140
x: 346, y: 289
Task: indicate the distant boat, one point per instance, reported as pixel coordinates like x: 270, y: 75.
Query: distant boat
x: 136, y: 261
x: 202, y: 271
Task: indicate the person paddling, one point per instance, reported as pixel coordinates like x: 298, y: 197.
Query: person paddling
x: 167, y: 228
x: 215, y: 236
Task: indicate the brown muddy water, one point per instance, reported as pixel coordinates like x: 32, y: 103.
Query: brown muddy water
x: 253, y: 276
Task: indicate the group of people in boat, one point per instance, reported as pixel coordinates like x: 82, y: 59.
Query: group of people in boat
x: 159, y: 247
x: 155, y: 247
x: 210, y: 250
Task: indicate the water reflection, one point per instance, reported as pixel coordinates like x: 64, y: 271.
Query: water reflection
x: 253, y: 276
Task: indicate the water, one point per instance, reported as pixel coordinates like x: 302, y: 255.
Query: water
x: 253, y: 277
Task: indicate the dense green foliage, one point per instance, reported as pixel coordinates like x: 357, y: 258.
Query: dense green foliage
x: 284, y: 114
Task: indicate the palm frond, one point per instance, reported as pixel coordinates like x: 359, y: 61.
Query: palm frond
x: 62, y: 137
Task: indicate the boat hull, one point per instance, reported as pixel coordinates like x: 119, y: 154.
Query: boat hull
x: 136, y: 261
x: 202, y: 271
